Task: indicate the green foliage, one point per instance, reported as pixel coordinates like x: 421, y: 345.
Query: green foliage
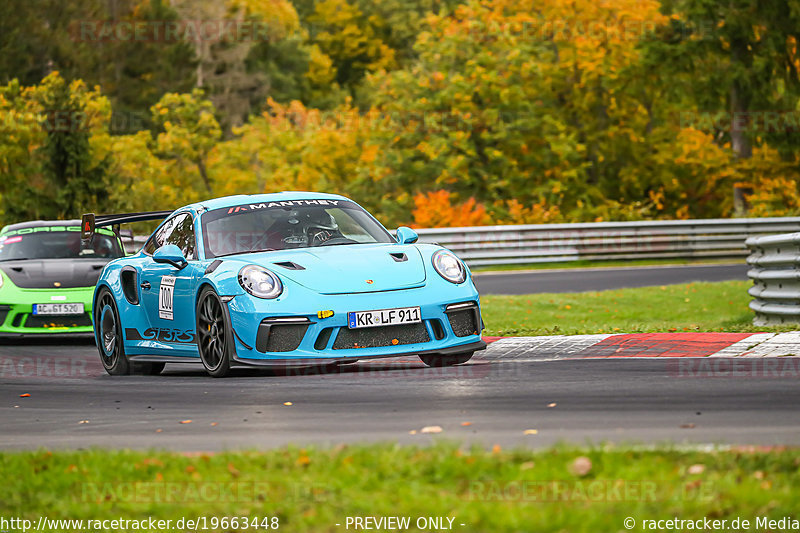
x: 427, y: 112
x: 733, y: 57
x: 75, y: 182
x: 51, y: 162
x: 138, y: 72
x: 467, y: 116
x: 398, y: 22
x: 190, y: 131
x: 79, y: 40
x: 343, y: 33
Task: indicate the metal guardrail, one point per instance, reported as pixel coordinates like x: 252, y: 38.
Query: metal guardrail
x: 775, y: 270
x: 601, y: 241
x: 597, y: 241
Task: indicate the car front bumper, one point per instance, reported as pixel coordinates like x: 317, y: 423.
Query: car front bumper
x: 267, y: 332
x: 17, y: 318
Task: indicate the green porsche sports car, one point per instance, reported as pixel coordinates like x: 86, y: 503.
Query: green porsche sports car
x: 47, y: 276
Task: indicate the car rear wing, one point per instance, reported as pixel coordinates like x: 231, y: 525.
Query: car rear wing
x: 90, y: 221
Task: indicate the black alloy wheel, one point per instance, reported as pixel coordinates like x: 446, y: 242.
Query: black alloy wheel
x: 109, y: 335
x: 214, y: 334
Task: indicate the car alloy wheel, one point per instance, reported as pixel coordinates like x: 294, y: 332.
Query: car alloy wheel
x: 214, y: 336
x: 109, y: 335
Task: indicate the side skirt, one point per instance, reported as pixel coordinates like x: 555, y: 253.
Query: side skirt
x: 164, y: 359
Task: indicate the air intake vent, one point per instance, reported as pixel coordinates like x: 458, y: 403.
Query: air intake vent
x: 399, y: 257
x: 275, y: 336
x: 129, y: 281
x: 58, y: 321
x: 289, y: 265
x: 379, y: 337
x: 464, y: 318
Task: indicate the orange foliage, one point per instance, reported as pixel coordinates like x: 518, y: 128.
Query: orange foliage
x: 538, y: 213
x: 435, y: 210
x: 775, y: 183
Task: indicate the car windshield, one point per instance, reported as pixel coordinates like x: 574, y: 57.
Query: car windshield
x: 288, y: 224
x: 56, y: 243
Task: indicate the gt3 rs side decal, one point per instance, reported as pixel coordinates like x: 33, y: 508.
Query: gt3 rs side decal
x: 161, y: 334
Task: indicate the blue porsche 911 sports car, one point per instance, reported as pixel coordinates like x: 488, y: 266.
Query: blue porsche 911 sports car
x: 290, y: 278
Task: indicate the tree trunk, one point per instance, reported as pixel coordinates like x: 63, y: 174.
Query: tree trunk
x: 740, y: 101
x: 739, y: 123
x: 201, y: 167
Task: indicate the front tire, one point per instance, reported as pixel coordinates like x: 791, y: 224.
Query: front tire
x: 435, y: 360
x: 109, y: 335
x: 214, y: 334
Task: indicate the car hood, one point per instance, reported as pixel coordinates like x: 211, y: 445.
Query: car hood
x: 53, y: 273
x: 349, y: 269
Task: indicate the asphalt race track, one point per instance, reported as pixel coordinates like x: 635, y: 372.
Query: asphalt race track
x: 74, y: 404
x: 492, y: 400
x: 597, y: 279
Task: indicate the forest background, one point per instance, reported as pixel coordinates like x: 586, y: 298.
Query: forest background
x: 429, y: 113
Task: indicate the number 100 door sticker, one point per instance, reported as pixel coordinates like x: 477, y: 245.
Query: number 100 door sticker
x: 165, y: 297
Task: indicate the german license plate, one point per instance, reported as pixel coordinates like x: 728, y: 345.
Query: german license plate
x: 57, y: 309
x: 383, y: 317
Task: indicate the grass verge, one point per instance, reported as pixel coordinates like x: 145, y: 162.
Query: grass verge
x: 720, y: 306
x: 559, y: 489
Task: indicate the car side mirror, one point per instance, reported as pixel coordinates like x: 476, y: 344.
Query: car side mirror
x: 171, y: 255
x: 406, y: 235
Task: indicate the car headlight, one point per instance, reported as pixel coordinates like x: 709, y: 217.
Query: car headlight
x: 449, y: 266
x: 260, y: 282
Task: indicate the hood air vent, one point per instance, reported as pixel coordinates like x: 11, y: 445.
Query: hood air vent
x: 289, y: 265
x: 399, y: 256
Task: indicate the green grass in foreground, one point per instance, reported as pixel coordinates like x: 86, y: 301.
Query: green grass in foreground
x: 718, y: 306
x: 312, y: 490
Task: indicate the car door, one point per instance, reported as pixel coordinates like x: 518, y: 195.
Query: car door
x: 168, y: 291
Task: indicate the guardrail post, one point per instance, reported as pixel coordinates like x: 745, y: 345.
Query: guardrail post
x: 775, y: 270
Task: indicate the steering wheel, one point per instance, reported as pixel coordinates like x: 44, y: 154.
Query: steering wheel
x: 338, y: 240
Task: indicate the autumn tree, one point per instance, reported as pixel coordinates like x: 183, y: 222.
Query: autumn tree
x: 734, y: 69
x: 190, y: 132
x: 52, y: 164
x: 344, y: 34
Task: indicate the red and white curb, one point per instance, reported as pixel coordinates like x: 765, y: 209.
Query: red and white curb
x: 642, y: 345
